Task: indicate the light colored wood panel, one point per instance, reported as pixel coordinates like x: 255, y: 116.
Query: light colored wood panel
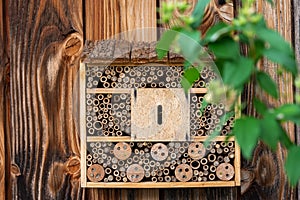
x: 108, y: 90
x: 128, y: 139
x: 162, y: 185
x: 106, y: 19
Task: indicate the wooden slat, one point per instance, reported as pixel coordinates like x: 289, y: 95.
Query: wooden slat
x: 109, y: 90
x: 128, y: 139
x: 178, y: 185
x: 264, y: 176
x: 105, y: 19
x: 46, y: 41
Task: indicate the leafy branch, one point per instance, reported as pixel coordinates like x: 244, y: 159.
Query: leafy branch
x: 223, y: 41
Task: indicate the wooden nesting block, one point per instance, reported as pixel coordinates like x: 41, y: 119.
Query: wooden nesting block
x: 95, y: 173
x: 122, y: 150
x: 159, y: 152
x: 225, y: 171
x: 135, y: 173
x: 122, y: 51
x: 196, y: 150
x: 183, y: 172
x: 140, y: 52
x: 160, y: 114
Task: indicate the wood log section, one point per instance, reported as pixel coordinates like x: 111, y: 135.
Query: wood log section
x: 264, y: 177
x: 46, y: 42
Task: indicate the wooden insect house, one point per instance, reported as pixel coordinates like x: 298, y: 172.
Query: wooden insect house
x: 139, y: 129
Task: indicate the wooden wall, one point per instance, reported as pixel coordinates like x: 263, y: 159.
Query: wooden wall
x: 39, y: 137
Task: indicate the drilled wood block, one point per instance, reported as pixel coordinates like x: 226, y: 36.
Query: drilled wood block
x: 154, y: 113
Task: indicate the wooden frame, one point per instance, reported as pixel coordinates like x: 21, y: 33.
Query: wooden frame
x: 114, y: 140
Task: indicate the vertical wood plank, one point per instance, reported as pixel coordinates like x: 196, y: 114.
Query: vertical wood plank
x: 5, y: 184
x: 3, y: 86
x: 204, y: 193
x: 296, y: 40
x: 264, y: 176
x: 46, y: 40
x: 105, y: 19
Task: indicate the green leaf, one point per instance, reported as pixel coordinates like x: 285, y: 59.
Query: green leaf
x: 237, y: 73
x: 270, y: 2
x: 287, y: 61
x: 246, y: 131
x: 203, y: 106
x: 217, y: 31
x: 225, y: 48
x: 259, y: 49
x: 198, y: 13
x: 189, y: 77
x: 193, y: 34
x: 165, y: 42
x: 260, y: 107
x: 189, y: 45
x: 288, y: 112
x: 274, y: 39
x: 271, y: 131
x: 267, y: 84
x: 285, y: 140
x: 292, y: 164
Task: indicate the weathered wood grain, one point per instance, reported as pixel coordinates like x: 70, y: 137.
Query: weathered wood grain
x: 105, y: 19
x: 46, y: 41
x: 4, y: 106
x: 216, y: 10
x: 264, y: 176
x: 193, y: 194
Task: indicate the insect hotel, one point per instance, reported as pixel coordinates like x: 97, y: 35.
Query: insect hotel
x: 139, y: 128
